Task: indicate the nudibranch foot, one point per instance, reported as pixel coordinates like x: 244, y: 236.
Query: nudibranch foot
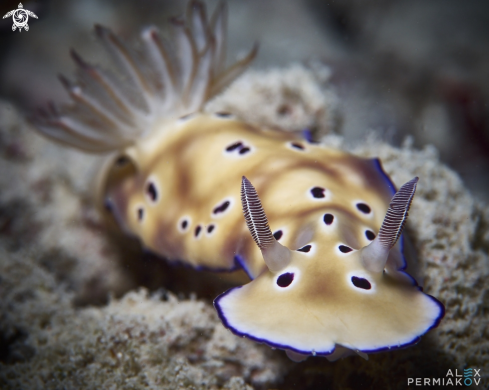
x: 295, y: 356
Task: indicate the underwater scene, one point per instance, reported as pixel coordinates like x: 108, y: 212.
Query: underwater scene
x: 274, y: 194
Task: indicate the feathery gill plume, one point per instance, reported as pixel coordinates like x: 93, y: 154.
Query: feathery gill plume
x: 161, y: 81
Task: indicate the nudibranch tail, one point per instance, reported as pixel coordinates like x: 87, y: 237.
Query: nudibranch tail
x: 374, y: 256
x: 160, y: 82
x: 275, y: 255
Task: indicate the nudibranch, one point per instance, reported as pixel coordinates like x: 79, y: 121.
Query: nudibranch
x: 328, y: 271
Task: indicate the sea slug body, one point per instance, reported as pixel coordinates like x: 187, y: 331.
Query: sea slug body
x: 321, y: 232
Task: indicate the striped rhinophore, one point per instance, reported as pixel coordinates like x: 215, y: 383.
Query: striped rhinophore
x: 397, y: 214
x: 255, y: 215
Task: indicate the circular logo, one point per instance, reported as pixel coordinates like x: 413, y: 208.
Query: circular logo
x: 20, y: 17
